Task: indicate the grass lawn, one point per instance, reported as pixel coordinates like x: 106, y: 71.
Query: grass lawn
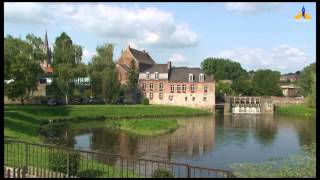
x: 24, y: 121
x: 301, y: 110
x: 149, y: 127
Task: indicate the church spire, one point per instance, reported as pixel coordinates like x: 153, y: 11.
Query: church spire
x: 47, y: 48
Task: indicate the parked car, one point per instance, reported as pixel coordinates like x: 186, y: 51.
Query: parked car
x: 53, y: 102
x: 95, y: 101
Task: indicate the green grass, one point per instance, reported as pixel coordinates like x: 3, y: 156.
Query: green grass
x: 24, y: 121
x: 148, y: 127
x: 300, y: 110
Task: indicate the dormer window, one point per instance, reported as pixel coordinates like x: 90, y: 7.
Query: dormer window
x: 201, y: 77
x: 156, y: 75
x: 190, y: 77
x: 148, y: 75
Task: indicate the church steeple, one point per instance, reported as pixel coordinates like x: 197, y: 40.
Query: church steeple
x: 47, y: 49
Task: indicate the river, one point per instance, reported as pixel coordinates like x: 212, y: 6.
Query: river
x: 210, y: 141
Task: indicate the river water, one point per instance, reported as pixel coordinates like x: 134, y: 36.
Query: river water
x: 209, y: 141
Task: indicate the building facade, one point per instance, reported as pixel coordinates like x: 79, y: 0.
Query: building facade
x: 164, y: 84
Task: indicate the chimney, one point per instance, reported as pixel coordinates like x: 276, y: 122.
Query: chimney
x: 169, y: 65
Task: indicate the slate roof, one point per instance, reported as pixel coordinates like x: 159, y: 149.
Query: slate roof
x: 160, y: 68
x: 124, y: 66
x: 142, y: 57
x: 181, y: 74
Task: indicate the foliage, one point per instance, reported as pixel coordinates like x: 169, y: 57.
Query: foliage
x: 90, y: 173
x: 312, y: 95
x: 224, y: 89
x: 103, y: 74
x: 161, y: 173
x: 297, y: 110
x: 265, y: 83
x: 58, y: 162
x: 305, y: 79
x: 146, y: 126
x: 242, y: 85
x: 133, y: 75
x: 222, y: 68
x: 298, y: 165
x: 145, y: 101
x: 21, y: 65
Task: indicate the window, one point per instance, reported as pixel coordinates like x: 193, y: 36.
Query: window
x: 172, y: 88
x: 193, y: 98
x: 184, y: 88
x: 192, y: 88
x: 170, y: 98
x: 204, y: 98
x: 205, y: 89
x: 186, y: 98
x: 160, y: 95
x: 156, y: 75
x: 43, y: 81
x: 178, y: 88
x: 161, y: 87
x: 201, y: 77
x: 143, y: 86
x: 148, y: 75
x: 151, y: 96
x: 190, y: 77
x: 151, y: 86
x: 143, y: 94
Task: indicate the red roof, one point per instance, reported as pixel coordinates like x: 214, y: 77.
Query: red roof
x: 47, y: 69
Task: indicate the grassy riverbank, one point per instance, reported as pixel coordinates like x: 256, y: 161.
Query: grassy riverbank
x: 300, y: 165
x: 148, y: 127
x: 24, y: 122
x: 300, y: 110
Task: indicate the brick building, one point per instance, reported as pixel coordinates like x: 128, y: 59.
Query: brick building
x: 164, y: 84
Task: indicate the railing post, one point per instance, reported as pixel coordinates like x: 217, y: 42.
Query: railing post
x: 25, y: 170
x: 189, y: 170
x: 68, y: 164
x: 121, y: 167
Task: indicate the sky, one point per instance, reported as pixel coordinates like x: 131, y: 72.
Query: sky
x: 257, y: 35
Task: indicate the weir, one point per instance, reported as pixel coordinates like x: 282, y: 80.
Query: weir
x: 248, y: 104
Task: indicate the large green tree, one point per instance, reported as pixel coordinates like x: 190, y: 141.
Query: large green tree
x: 265, y: 83
x: 21, y: 65
x: 103, y: 74
x: 305, y: 79
x: 312, y: 95
x: 223, y: 68
x: 64, y: 64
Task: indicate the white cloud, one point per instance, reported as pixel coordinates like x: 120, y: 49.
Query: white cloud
x: 251, y: 8
x: 283, y: 58
x: 146, y: 26
x: 178, y: 59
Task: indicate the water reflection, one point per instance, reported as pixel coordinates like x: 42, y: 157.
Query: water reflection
x: 207, y: 140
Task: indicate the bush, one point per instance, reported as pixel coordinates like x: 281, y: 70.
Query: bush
x: 90, y: 173
x: 161, y: 173
x: 58, y: 162
x: 145, y: 101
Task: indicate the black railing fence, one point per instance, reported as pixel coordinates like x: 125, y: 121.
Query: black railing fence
x: 22, y: 159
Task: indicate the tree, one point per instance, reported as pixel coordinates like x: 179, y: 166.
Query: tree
x: 265, y: 83
x: 64, y: 64
x: 222, y: 68
x: 305, y: 79
x: 103, y: 73
x: 133, y: 75
x: 77, y: 53
x: 241, y: 85
x: 224, y: 89
x: 22, y: 66
x: 312, y: 96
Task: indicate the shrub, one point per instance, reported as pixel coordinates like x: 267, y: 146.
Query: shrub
x: 90, y: 173
x: 145, y: 101
x: 58, y: 162
x: 161, y: 173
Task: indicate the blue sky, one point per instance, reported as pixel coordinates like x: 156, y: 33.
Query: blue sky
x: 258, y: 35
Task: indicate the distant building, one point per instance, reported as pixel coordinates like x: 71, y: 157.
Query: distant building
x: 290, y: 77
x: 164, y: 84
x: 289, y: 90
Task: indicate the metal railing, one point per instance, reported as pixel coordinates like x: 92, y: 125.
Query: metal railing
x: 24, y: 159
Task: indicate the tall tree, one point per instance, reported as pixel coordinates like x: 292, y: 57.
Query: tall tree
x: 24, y: 67
x: 64, y: 64
x: 312, y: 96
x: 222, y: 68
x: 77, y: 53
x: 133, y: 76
x: 305, y: 79
x: 103, y: 73
x: 265, y: 83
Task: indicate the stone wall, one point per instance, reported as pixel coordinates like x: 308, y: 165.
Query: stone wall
x: 280, y: 101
